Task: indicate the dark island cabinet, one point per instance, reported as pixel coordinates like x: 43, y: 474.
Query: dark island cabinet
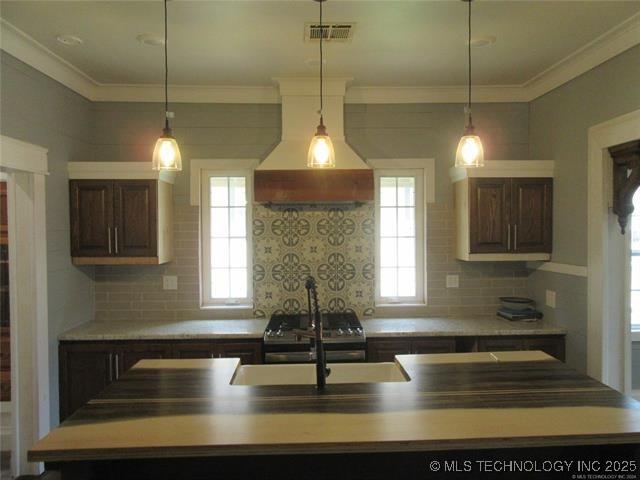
x: 87, y: 367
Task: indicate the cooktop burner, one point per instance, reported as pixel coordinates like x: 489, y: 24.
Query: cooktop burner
x: 337, y: 326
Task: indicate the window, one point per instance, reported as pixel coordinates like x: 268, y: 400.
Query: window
x: 226, y: 238
x: 400, y: 234
x: 635, y: 263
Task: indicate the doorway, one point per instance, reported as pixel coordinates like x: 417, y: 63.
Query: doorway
x: 24, y: 168
x: 5, y: 342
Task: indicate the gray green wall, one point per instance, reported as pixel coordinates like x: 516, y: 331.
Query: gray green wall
x: 559, y: 122
x: 127, y: 132
x: 38, y: 110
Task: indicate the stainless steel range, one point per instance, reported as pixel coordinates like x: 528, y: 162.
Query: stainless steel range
x: 344, y: 339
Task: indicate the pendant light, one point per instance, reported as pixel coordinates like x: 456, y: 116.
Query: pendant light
x: 470, y: 152
x: 166, y: 154
x: 321, y: 153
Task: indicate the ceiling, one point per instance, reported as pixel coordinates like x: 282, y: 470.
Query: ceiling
x: 395, y: 43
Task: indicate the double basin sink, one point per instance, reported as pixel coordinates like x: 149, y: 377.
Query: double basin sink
x: 305, y: 374
x: 383, y: 372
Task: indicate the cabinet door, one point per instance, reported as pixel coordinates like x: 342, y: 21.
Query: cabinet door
x: 531, y: 214
x: 91, y: 214
x: 434, y: 345
x: 386, y: 350
x: 248, y: 352
x: 553, y: 346
x: 135, y: 215
x: 195, y: 350
x: 85, y: 370
x: 500, y: 344
x: 489, y: 215
x: 127, y: 355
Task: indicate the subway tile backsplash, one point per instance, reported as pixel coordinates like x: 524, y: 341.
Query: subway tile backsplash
x: 336, y: 245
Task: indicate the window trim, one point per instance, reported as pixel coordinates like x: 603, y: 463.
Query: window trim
x: 420, y: 297
x: 206, y: 302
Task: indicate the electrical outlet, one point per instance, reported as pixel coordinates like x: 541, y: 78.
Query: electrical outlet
x: 550, y: 298
x: 453, y: 281
x: 169, y: 282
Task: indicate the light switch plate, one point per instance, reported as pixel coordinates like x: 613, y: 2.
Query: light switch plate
x: 169, y: 282
x: 550, y: 298
x: 453, y: 281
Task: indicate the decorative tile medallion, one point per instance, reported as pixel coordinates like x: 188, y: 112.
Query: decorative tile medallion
x: 335, y: 245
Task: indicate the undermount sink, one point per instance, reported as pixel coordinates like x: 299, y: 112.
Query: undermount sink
x: 305, y: 374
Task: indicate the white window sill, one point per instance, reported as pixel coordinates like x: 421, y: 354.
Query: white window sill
x: 635, y: 335
x: 235, y: 311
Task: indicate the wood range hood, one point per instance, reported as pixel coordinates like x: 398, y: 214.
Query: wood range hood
x: 284, y: 178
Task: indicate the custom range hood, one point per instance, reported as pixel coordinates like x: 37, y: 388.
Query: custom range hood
x: 283, y: 177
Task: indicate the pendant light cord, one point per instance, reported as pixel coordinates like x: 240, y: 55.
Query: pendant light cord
x: 166, y: 70
x: 469, y: 61
x: 321, y: 58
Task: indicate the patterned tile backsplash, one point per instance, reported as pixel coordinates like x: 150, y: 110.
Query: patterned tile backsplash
x: 335, y: 245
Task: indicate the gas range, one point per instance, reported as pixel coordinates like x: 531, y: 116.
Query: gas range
x: 344, y: 338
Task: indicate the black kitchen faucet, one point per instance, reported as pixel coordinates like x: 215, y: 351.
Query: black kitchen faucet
x: 315, y: 334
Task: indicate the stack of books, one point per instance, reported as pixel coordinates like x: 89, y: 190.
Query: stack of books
x: 527, y: 315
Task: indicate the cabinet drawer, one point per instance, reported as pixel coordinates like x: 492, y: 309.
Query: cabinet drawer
x: 386, y: 350
x: 434, y: 345
x: 500, y: 344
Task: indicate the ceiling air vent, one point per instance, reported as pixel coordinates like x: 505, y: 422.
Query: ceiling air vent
x: 331, y: 32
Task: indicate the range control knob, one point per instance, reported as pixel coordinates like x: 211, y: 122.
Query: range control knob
x: 279, y: 333
x: 359, y: 332
x: 340, y: 332
x: 269, y: 332
x: 349, y: 331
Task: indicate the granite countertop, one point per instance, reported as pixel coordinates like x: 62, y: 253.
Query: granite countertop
x: 454, y: 326
x: 254, y: 329
x: 167, y: 330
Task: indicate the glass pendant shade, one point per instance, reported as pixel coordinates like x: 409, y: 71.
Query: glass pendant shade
x: 321, y: 153
x: 470, y: 153
x: 166, y: 154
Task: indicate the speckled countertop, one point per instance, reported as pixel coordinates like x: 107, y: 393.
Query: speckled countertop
x: 167, y: 330
x: 254, y: 329
x: 455, y: 327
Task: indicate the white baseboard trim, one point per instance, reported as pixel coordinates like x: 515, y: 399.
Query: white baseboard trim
x: 564, y: 268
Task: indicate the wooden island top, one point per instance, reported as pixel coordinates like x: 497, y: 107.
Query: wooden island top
x: 188, y: 408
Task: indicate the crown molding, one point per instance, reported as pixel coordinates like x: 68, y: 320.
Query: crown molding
x: 442, y: 94
x: 186, y: 93
x: 20, y: 45
x: 613, y: 42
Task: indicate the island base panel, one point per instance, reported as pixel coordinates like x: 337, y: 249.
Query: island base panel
x: 540, y: 462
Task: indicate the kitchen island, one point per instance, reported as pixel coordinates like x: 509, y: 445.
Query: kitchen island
x: 185, y: 419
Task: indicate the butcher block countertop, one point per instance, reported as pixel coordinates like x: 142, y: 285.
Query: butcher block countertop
x: 254, y: 329
x: 188, y: 408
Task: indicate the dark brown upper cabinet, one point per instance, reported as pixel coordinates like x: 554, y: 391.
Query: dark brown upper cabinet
x: 500, y: 218
x: 118, y: 222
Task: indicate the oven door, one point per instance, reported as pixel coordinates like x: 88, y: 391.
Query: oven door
x: 304, y: 357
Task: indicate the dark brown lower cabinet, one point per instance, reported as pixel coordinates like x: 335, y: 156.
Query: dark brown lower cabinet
x: 86, y: 368
x: 384, y: 350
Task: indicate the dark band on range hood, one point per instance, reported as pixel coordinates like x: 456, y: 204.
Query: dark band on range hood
x: 313, y: 186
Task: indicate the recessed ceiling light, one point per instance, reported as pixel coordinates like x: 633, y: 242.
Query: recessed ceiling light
x: 483, y: 40
x: 152, y: 39
x: 69, y: 40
